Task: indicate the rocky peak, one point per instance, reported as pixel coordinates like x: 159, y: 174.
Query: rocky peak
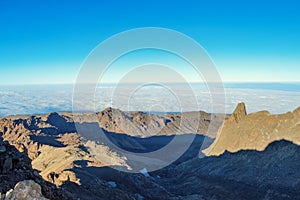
x: 297, y: 111
x: 53, y: 118
x: 239, y: 113
x: 110, y: 110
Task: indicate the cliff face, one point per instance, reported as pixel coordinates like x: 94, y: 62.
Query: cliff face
x: 255, y: 131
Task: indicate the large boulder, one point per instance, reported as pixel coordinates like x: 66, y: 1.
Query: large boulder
x: 25, y: 190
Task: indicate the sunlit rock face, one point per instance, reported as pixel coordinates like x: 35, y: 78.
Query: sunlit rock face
x: 255, y: 131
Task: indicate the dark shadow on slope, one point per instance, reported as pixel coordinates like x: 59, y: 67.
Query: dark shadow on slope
x: 83, y: 148
x: 58, y: 125
x: 271, y: 174
x: 46, y: 139
x: 95, y: 181
x: 48, y: 135
x: 92, y: 131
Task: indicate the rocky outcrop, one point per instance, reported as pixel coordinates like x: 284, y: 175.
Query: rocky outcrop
x: 16, y: 167
x: 12, y: 162
x: 42, y: 139
x: 239, y: 113
x: 255, y: 131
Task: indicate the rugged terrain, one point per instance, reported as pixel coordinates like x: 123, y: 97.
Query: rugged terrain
x: 16, y: 167
x: 67, y: 154
x: 255, y: 131
x: 143, y: 124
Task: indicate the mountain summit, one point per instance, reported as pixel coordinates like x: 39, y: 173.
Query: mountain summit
x: 239, y: 113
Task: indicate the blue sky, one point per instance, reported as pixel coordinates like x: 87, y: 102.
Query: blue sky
x: 47, y: 41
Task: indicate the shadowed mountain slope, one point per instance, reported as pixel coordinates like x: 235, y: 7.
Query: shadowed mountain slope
x: 248, y: 174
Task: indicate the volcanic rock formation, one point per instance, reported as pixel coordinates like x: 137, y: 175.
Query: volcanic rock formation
x: 255, y: 131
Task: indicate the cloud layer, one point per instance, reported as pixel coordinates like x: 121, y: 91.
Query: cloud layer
x: 154, y: 98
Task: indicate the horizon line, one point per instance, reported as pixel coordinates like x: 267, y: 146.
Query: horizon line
x: 189, y: 82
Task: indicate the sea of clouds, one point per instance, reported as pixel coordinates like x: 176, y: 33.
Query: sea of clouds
x: 39, y: 99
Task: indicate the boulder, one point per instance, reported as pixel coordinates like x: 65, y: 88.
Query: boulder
x: 25, y: 190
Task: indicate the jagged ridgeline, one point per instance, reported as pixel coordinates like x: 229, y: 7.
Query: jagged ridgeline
x: 252, y: 156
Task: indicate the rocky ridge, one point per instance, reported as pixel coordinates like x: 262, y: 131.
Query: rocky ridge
x: 255, y: 131
x: 67, y: 161
x: 143, y: 124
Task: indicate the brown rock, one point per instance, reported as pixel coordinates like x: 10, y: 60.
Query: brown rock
x: 143, y: 124
x: 239, y: 113
x: 20, y: 147
x: 297, y: 111
x: 255, y: 131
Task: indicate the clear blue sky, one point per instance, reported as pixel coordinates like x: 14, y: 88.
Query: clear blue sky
x: 46, y: 41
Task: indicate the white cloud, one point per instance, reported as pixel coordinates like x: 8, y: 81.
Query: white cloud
x: 45, y: 99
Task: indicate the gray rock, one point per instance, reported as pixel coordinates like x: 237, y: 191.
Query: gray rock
x: 2, y: 196
x: 25, y: 190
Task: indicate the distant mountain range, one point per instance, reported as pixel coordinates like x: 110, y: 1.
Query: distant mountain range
x: 249, y: 156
